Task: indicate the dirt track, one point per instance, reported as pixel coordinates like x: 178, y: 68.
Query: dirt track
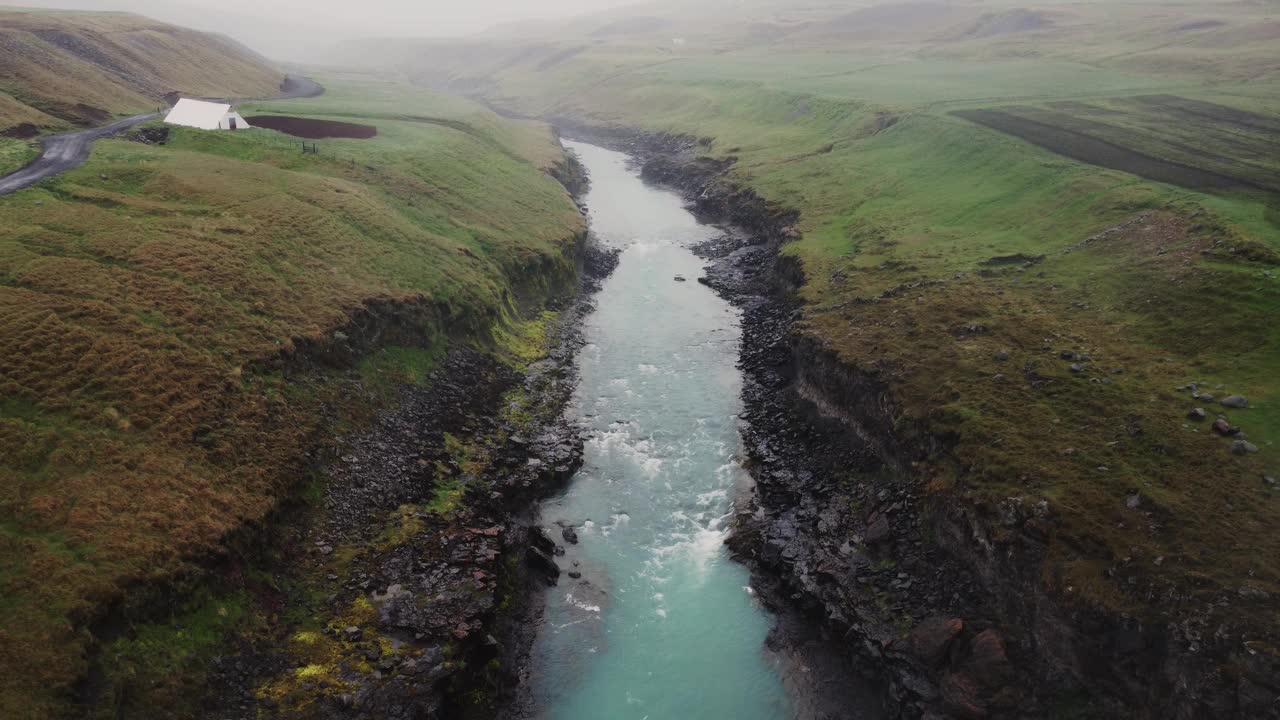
x: 1094, y: 151
x: 64, y: 152
x: 313, y: 129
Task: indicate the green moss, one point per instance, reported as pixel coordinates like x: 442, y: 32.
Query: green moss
x: 164, y: 662
x: 390, y: 368
x: 15, y: 154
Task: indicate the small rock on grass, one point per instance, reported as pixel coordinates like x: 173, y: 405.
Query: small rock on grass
x: 1133, y: 502
x: 1077, y: 368
x: 1243, y: 447
x: 1002, y: 356
x: 1235, y: 401
x: 1197, y: 414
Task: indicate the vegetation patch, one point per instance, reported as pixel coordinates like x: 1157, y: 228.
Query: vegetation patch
x: 15, y: 154
x: 170, y: 314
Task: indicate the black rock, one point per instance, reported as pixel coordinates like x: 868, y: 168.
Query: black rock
x: 543, y: 563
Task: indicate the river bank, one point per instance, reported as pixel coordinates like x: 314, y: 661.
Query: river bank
x: 938, y: 599
x: 404, y: 596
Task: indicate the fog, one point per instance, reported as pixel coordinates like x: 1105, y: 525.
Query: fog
x: 301, y: 29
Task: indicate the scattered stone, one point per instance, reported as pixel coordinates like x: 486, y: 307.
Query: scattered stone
x: 1222, y: 427
x: 1197, y: 414
x: 1269, y: 480
x: 1252, y: 593
x: 961, y: 697
x: 1243, y: 447
x: 1235, y: 401
x: 351, y: 633
x: 543, y: 563
x: 570, y: 535
x: 931, y: 640
x: 878, y: 529
x: 574, y: 574
x: 1067, y: 355
x: 1207, y: 397
x: 1002, y: 356
x: 1077, y: 368
x: 1133, y: 502
x: 103, y: 176
x: 679, y: 278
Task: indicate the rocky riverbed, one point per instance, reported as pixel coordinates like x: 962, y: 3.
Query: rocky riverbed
x: 410, y: 594
x: 940, y: 603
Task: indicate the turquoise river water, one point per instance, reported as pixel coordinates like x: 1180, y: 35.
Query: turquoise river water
x: 662, y: 624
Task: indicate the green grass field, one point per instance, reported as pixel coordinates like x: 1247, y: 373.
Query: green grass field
x: 15, y: 154
x: 148, y: 318
x: 975, y: 228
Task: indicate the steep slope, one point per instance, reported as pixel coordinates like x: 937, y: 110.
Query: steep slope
x: 173, y: 319
x: 81, y: 68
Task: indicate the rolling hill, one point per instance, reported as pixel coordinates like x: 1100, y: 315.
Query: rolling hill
x: 79, y: 68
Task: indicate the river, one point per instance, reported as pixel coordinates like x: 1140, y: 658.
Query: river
x: 661, y: 624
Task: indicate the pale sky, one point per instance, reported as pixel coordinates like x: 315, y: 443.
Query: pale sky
x: 282, y: 28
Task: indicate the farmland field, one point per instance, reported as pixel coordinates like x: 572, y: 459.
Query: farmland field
x: 1165, y: 138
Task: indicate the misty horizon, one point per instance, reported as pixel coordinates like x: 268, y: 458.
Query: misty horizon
x: 300, y: 30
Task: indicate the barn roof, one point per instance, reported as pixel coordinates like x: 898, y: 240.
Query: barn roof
x: 197, y: 114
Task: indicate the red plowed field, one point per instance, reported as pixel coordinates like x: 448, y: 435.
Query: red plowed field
x: 313, y: 129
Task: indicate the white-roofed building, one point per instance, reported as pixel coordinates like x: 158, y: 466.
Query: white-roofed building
x: 205, y: 115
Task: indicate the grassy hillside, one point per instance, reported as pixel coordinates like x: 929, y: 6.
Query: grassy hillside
x: 933, y: 244
x: 59, y: 68
x: 164, y: 308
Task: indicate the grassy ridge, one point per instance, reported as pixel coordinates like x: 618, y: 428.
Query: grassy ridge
x: 930, y: 245
x: 58, y: 68
x: 148, y: 316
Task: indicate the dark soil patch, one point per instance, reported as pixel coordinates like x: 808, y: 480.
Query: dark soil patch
x: 559, y: 56
x: 89, y: 115
x: 1201, y: 110
x: 1198, y: 25
x: 313, y: 129
x: 1004, y: 23
x: 631, y: 26
x: 1015, y: 259
x: 1086, y: 148
x: 23, y: 131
